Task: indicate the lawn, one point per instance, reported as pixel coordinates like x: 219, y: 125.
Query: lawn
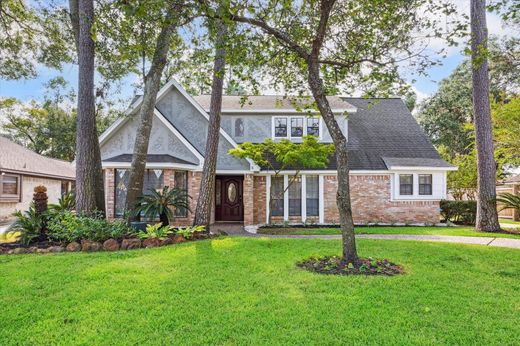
x: 248, y: 291
x: 509, y: 221
x: 454, y: 231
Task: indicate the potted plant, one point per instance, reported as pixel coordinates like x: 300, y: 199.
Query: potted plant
x: 160, y: 203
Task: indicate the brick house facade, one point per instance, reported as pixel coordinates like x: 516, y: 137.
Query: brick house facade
x: 396, y: 174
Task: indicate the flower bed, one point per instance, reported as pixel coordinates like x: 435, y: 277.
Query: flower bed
x: 338, y: 266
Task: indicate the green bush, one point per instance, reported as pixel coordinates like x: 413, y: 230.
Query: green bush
x: 464, y: 212
x: 65, y: 226
x: 187, y: 232
x: 155, y: 231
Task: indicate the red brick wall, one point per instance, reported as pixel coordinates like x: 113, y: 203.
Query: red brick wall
x: 371, y: 202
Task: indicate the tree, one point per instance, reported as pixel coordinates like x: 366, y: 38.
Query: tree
x: 329, y: 45
x: 90, y: 195
x: 505, y: 118
x: 487, y: 215
x: 282, y: 155
x: 169, y: 23
x: 207, y: 183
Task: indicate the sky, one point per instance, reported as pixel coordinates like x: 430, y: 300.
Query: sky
x: 424, y: 86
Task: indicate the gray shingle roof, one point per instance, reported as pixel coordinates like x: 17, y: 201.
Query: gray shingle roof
x: 150, y: 158
x: 513, y: 179
x: 16, y: 158
x: 385, y: 128
x: 415, y: 162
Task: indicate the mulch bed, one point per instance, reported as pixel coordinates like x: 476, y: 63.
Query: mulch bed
x: 336, y: 265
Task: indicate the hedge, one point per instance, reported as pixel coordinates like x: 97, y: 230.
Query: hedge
x: 463, y: 212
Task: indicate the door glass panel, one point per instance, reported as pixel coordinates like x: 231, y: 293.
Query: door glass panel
x: 232, y: 192
x: 217, y: 192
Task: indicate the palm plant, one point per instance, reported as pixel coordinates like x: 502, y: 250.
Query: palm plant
x: 28, y: 227
x: 66, y: 202
x: 509, y: 201
x: 161, y: 203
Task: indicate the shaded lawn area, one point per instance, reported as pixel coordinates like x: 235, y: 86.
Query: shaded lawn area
x: 248, y: 291
x: 509, y: 221
x: 454, y: 231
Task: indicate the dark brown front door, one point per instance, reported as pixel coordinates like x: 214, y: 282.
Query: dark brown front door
x: 228, y: 198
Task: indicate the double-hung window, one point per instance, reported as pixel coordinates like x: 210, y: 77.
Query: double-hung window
x: 280, y: 127
x: 425, y: 184
x: 406, y: 184
x: 9, y: 187
x: 313, y: 127
x: 277, y: 198
x: 313, y: 197
x: 296, y: 127
x: 295, y: 197
x: 181, y: 182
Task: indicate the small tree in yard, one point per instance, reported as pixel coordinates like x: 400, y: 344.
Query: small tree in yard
x: 282, y: 155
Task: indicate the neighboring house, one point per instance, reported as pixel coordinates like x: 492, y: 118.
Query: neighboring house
x: 396, y: 174
x: 509, y: 185
x: 21, y: 170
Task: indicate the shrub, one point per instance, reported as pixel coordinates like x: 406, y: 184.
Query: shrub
x: 159, y: 203
x: 66, y: 202
x: 187, y: 232
x: 155, y: 231
x: 464, y: 212
x: 65, y: 226
x: 29, y: 225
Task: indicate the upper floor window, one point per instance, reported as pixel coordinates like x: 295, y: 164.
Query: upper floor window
x: 425, y: 184
x: 296, y: 127
x: 280, y: 127
x: 239, y: 127
x: 313, y: 127
x: 9, y: 186
x: 406, y: 184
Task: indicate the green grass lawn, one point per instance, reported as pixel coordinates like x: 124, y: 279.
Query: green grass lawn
x: 509, y: 221
x: 248, y: 291
x: 454, y: 231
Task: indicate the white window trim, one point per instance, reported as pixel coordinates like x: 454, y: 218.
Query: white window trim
x: 321, y: 211
x: 396, y: 193
x: 288, y: 118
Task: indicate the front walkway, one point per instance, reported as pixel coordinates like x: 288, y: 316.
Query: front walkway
x: 487, y: 241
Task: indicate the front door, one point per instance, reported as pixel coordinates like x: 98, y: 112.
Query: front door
x: 228, y: 198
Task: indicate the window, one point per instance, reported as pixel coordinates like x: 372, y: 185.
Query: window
x: 280, y: 127
x: 153, y: 180
x: 122, y: 177
x: 425, y: 184
x: 9, y: 186
x: 277, y: 197
x: 239, y: 127
x: 296, y: 127
x: 406, y: 184
x: 313, y: 127
x: 65, y: 186
x: 312, y: 190
x: 295, y: 197
x: 181, y: 182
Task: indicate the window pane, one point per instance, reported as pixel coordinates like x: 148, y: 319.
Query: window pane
x: 122, y: 176
x: 313, y: 127
x: 181, y: 182
x: 406, y: 184
x: 312, y: 191
x: 277, y: 197
x: 425, y: 184
x: 280, y: 127
x: 296, y: 127
x: 153, y: 180
x: 239, y: 127
x: 9, y: 185
x: 295, y: 197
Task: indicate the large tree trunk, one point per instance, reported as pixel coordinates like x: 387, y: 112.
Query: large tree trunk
x: 207, y: 184
x: 151, y: 88
x: 487, y: 216
x: 89, y: 175
x: 340, y: 144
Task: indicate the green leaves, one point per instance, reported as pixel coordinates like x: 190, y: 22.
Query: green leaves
x: 159, y: 203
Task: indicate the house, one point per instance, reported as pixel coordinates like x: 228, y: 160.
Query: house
x: 396, y: 174
x: 21, y: 170
x: 509, y: 185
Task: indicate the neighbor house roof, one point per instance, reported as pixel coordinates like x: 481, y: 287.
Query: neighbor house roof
x: 15, y: 158
x: 515, y: 179
x: 270, y: 103
x: 383, y: 133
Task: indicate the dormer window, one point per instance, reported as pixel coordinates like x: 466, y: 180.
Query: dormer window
x: 313, y: 127
x: 280, y: 127
x: 296, y: 127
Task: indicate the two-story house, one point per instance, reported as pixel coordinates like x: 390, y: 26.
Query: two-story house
x: 396, y: 175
